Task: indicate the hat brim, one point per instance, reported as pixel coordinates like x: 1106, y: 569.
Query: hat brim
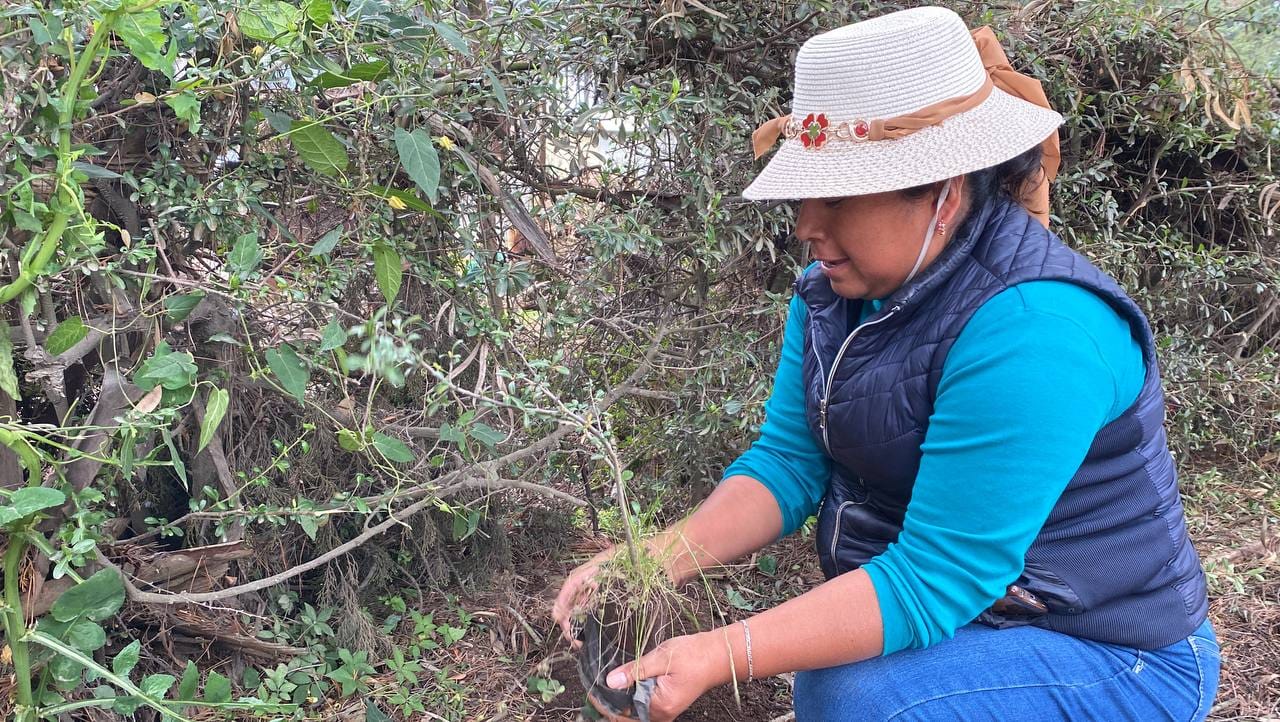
x: 1002, y: 127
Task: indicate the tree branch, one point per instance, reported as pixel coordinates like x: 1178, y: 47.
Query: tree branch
x: 393, y: 519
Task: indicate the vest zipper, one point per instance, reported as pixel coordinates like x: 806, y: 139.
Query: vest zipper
x: 835, y: 534
x: 830, y: 377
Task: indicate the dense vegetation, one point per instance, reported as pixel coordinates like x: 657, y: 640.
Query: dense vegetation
x: 321, y: 313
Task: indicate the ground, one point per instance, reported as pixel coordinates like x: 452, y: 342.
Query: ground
x: 1225, y: 513
x: 511, y: 663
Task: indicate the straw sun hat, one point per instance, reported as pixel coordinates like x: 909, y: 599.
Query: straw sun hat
x: 902, y: 100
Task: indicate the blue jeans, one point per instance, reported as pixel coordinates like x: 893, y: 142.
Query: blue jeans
x: 1025, y: 673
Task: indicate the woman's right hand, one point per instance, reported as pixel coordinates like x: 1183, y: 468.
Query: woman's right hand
x: 576, y: 593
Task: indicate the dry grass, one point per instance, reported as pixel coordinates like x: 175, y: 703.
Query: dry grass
x: 1232, y: 518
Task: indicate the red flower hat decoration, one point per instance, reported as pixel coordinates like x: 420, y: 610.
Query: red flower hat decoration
x: 813, y: 131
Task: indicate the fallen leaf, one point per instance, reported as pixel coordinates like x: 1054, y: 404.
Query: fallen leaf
x: 151, y: 400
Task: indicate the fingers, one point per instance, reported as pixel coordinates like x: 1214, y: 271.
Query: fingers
x: 577, y: 588
x: 622, y: 677
x: 562, y: 612
x: 653, y: 664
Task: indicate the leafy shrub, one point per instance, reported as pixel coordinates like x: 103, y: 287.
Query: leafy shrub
x: 296, y: 277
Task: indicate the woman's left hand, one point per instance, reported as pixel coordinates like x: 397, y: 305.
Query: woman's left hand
x: 682, y: 667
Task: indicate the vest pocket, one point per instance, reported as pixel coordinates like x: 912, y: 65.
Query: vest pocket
x: 835, y: 538
x: 1057, y: 595
x: 1036, y: 594
x: 851, y: 531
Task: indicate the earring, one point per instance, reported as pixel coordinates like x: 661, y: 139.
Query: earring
x: 942, y: 227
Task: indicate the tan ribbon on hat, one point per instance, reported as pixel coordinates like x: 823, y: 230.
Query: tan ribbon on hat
x: 1034, y: 196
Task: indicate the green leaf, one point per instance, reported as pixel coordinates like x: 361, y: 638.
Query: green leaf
x: 53, y: 627
x: 214, y: 410
x: 319, y: 12
x: 486, y: 434
x: 25, y: 221
x: 143, y: 33
x: 450, y: 35
x: 737, y: 600
x: 217, y: 689
x: 95, y: 171
x: 40, y: 33
x: 269, y: 20
x: 86, y: 636
x: 287, y: 367
x: 452, y: 434
x: 136, y: 698
x: 346, y: 679
x: 187, y: 107
x: 27, y: 501
x: 96, y: 598
x: 499, y: 93
x: 318, y: 148
x: 246, y: 254
x: 175, y: 459
x: 27, y: 301
x: 333, y: 336
x: 171, y: 370
x: 373, y: 714
x: 126, y: 706
x: 190, y: 683
x: 373, y: 70
x: 310, y: 524
x: 767, y: 564
x: 349, y: 440
x: 420, y: 160
x: 280, y: 122
x: 387, y: 270
x: 66, y: 672
x: 450, y: 635
x: 8, y: 377
x: 179, y: 307
x: 156, y: 685
x: 410, y: 200
x: 271, y: 217
x: 68, y: 333
x: 125, y: 661
x: 327, y: 242
x: 465, y: 525
x: 392, y: 448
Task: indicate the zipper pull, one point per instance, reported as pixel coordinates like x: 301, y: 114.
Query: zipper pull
x: 822, y: 413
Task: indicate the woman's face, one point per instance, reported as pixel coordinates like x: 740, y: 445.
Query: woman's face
x: 868, y: 243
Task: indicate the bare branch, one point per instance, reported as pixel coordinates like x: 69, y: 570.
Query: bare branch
x: 392, y: 520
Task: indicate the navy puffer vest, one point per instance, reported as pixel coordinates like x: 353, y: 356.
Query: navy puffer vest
x: 1113, y: 561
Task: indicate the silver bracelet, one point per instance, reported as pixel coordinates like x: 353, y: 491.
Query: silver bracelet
x: 751, y: 665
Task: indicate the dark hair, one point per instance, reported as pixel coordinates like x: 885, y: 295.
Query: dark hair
x: 983, y: 186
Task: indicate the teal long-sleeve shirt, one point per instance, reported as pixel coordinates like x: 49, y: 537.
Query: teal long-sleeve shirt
x: 1037, y: 371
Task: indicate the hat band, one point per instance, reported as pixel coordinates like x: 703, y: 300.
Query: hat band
x: 815, y: 130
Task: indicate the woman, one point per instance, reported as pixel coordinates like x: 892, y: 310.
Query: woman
x: 977, y: 408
